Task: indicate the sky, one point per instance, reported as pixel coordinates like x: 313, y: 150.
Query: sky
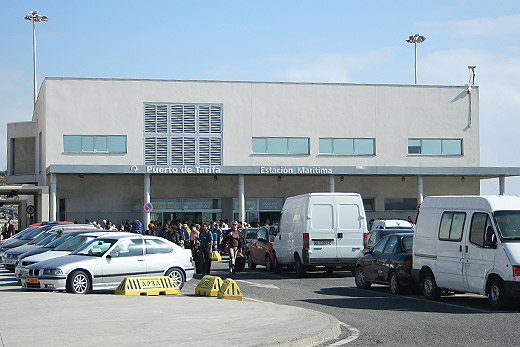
x: 273, y: 40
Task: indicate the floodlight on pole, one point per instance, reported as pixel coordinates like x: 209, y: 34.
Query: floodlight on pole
x: 35, y: 17
x: 415, y: 39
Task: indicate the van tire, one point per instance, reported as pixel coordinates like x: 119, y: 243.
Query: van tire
x: 395, y: 287
x: 299, y: 267
x: 361, y: 280
x: 277, y: 267
x: 429, y: 287
x: 497, y: 294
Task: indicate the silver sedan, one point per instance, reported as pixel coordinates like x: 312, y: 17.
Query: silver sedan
x: 104, y: 262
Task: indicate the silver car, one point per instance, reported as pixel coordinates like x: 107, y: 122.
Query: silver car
x: 105, y: 262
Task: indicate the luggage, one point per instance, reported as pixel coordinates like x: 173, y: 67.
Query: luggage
x: 198, y: 267
x: 240, y: 262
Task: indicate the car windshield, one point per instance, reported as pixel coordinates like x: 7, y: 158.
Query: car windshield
x: 250, y: 233
x: 407, y: 243
x: 44, y: 239
x: 24, y: 232
x: 96, y: 247
x: 36, y: 232
x: 508, y: 224
x: 60, y: 240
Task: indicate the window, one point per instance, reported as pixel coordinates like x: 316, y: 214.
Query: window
x: 400, y: 204
x: 280, y: 145
x: 435, y: 146
x: 347, y: 217
x: 368, y: 204
x: 157, y: 247
x: 378, y: 248
x: 23, y: 159
x: 347, y: 146
x: 480, y: 223
x: 183, y: 134
x: 452, y: 224
x: 390, y: 246
x: 94, y: 144
x: 129, y: 248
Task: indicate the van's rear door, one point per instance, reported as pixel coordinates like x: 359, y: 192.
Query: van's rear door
x: 350, y: 230
x: 322, y: 235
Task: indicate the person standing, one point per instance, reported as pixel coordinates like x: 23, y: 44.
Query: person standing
x: 234, y: 243
x: 206, y: 245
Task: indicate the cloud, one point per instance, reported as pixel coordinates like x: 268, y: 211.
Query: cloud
x: 500, y: 28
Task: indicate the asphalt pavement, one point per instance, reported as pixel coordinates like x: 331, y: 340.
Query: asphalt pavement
x: 56, y: 318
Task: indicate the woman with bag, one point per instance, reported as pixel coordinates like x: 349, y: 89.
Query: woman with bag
x: 235, y: 244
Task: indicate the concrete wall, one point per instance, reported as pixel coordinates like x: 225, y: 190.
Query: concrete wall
x: 389, y: 113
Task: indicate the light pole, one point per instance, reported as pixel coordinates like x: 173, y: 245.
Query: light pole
x: 35, y: 17
x: 415, y: 39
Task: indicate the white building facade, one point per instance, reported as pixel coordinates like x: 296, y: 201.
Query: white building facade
x: 206, y: 150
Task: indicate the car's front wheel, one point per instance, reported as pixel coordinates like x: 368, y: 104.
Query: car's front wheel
x: 177, y: 277
x: 78, y: 282
x: 395, y: 287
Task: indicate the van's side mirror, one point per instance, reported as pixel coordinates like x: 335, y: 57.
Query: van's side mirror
x: 490, y: 239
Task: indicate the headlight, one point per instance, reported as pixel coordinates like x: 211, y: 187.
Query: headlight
x: 52, y: 272
x: 25, y: 271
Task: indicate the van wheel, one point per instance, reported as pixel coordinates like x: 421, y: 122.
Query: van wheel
x: 250, y: 264
x: 497, y: 294
x: 429, y: 287
x: 277, y: 267
x: 361, y: 280
x: 268, y: 263
x: 299, y: 267
x: 395, y: 287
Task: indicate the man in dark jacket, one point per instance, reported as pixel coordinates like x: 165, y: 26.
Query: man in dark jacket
x: 206, y: 245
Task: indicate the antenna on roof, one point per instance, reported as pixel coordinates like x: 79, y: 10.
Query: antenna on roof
x: 472, y: 74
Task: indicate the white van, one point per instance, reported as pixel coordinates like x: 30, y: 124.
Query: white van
x: 320, y: 229
x: 469, y: 244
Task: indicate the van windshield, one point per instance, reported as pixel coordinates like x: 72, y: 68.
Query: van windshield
x: 508, y: 223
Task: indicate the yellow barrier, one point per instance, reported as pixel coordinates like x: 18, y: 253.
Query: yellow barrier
x: 209, y: 286
x: 159, y: 285
x: 230, y: 290
x: 215, y: 256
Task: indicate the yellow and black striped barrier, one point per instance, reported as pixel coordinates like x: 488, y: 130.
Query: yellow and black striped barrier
x: 229, y: 290
x: 209, y: 286
x: 159, y: 285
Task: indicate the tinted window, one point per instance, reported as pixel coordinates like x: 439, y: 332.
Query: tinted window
x: 452, y: 224
x: 95, y: 248
x: 479, y: 223
x: 407, y: 243
x: 390, y: 245
x: 262, y: 234
x: 74, y: 243
x: 60, y: 240
x: 380, y: 245
x: 508, y: 223
x: 154, y: 246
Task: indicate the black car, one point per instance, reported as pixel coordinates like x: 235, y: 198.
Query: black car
x: 389, y: 262
x: 377, y: 234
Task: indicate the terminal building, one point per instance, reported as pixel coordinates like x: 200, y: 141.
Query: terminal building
x: 201, y: 150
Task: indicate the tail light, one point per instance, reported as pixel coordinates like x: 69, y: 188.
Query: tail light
x: 365, y: 240
x: 272, y: 243
x: 516, y: 271
x: 408, y: 263
x: 305, y: 240
x: 191, y: 259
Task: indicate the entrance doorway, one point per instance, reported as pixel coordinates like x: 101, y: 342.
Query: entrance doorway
x: 197, y: 217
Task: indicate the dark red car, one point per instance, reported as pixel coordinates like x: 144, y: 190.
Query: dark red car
x: 261, y: 249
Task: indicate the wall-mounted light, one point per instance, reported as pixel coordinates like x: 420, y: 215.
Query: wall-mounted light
x: 81, y: 177
x: 462, y: 179
x: 342, y: 178
x: 403, y: 178
x: 279, y: 178
x: 215, y: 177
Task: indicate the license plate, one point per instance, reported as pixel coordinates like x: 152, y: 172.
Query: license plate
x: 10, y: 262
x: 32, y: 280
x: 322, y: 242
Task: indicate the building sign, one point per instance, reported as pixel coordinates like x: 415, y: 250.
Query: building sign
x: 213, y: 170
x: 299, y: 170
x: 167, y: 204
x: 274, y: 204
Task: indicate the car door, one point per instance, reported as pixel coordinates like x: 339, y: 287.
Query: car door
x: 125, y: 259
x: 479, y: 256
x: 448, y: 265
x: 371, y: 265
x: 385, y: 260
x: 158, y: 255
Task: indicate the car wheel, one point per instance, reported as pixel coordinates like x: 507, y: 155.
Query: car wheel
x: 277, y: 267
x: 177, y: 276
x: 497, y: 295
x: 361, y: 280
x: 268, y: 263
x: 429, y: 287
x: 299, y: 267
x: 250, y: 264
x: 395, y: 287
x: 78, y: 282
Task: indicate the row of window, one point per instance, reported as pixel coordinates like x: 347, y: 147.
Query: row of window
x: 452, y: 226
x: 351, y: 146
x: 94, y: 144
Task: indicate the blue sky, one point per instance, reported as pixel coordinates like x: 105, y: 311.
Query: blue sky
x: 316, y: 41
